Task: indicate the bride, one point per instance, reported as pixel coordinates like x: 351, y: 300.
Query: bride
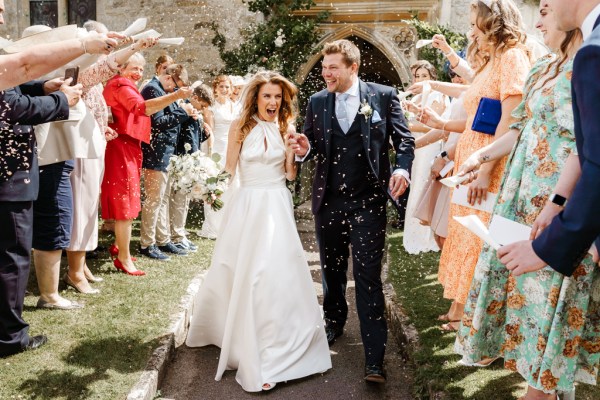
x: 258, y: 302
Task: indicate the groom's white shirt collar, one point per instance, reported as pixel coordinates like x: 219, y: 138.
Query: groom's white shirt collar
x: 588, y: 23
x: 354, y: 90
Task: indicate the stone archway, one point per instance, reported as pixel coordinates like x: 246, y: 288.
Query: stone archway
x: 386, y: 53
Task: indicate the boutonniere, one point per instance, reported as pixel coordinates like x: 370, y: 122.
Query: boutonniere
x: 365, y: 110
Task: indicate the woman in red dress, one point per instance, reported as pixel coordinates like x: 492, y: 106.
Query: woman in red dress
x: 123, y: 161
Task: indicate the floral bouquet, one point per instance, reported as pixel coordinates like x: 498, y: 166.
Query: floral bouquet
x: 199, y: 175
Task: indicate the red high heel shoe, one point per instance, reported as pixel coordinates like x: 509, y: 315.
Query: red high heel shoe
x: 119, y: 266
x: 114, y: 252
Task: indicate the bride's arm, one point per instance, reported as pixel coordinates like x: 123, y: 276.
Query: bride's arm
x: 291, y: 167
x: 233, y: 147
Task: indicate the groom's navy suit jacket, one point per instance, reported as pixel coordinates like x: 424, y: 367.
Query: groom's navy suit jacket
x: 566, y: 241
x: 376, y: 136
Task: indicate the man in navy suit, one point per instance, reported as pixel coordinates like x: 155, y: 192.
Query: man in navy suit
x: 20, y: 108
x: 347, y: 131
x: 564, y: 243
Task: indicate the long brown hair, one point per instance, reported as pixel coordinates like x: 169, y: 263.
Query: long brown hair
x: 287, y: 111
x: 572, y: 38
x: 502, y: 25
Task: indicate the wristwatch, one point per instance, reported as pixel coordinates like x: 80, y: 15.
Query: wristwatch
x: 557, y: 199
x: 444, y: 155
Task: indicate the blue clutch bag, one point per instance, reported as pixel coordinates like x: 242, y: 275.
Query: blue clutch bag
x: 488, y: 116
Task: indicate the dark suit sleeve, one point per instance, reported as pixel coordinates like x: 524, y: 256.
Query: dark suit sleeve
x: 402, y: 139
x: 309, y: 129
x: 566, y: 241
x: 28, y: 110
x: 33, y: 88
x: 160, y: 120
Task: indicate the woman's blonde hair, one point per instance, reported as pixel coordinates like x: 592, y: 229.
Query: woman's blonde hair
x: 502, y: 25
x: 287, y: 111
x: 134, y: 57
x: 219, y: 79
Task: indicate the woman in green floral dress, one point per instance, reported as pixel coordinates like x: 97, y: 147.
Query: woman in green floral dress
x: 545, y: 325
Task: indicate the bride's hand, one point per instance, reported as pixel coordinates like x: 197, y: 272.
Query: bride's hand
x: 288, y: 138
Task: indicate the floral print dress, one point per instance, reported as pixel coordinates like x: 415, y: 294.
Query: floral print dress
x: 544, y: 324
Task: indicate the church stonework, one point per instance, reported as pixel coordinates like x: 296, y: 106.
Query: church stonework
x: 381, y: 23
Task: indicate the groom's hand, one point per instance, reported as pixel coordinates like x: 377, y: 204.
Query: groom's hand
x: 398, y: 185
x: 299, y: 144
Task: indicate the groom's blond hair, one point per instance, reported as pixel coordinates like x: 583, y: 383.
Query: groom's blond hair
x: 346, y: 48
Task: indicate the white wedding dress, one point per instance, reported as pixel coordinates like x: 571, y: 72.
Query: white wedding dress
x: 419, y: 238
x: 258, y: 302
x: 224, y: 115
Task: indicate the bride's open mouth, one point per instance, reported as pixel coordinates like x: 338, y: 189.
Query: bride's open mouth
x: 271, y: 112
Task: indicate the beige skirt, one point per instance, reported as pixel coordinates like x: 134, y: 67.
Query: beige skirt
x: 434, y: 207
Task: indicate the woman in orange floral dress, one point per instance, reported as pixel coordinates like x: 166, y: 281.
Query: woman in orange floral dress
x: 502, y: 64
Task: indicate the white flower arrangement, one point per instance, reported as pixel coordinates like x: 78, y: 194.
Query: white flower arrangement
x: 280, y: 39
x: 366, y: 110
x: 199, y: 175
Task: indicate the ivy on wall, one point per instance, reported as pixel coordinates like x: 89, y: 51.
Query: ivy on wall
x: 283, y: 42
x: 425, y: 30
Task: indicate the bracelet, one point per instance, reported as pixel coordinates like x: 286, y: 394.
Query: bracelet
x: 448, y: 54
x: 444, y: 126
x: 83, y: 46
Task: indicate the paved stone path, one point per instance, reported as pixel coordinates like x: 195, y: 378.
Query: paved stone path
x: 191, y: 374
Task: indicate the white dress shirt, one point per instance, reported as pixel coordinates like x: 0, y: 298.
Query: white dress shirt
x: 588, y: 23
x: 353, y: 101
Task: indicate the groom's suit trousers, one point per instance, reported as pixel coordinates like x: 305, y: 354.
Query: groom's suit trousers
x: 353, y: 214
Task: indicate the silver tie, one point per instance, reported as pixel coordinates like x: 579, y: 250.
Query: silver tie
x: 341, y: 111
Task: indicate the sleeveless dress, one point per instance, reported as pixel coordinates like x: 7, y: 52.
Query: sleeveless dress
x: 224, y: 115
x: 418, y: 237
x: 258, y: 302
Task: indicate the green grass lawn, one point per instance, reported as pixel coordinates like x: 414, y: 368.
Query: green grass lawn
x: 99, y: 352
x: 415, y: 280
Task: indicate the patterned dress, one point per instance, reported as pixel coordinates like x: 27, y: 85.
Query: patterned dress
x: 545, y: 325
x: 503, y: 78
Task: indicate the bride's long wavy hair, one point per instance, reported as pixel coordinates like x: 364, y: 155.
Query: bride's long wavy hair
x: 287, y: 111
x: 501, y: 23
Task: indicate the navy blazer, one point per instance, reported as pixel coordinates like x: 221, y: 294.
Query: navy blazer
x: 376, y: 136
x: 565, y: 242
x: 192, y: 133
x: 166, y: 127
x: 20, y: 108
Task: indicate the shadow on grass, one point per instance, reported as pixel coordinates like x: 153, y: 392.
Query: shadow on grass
x: 101, y: 357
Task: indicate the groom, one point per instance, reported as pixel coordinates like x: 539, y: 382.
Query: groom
x: 347, y: 131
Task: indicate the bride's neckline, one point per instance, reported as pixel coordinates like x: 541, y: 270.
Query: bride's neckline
x: 259, y: 120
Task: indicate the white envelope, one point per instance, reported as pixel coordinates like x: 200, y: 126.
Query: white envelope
x: 425, y: 94
x: 459, y: 196
x: 146, y: 34
x: 423, y: 42
x: 403, y: 95
x: 505, y: 231
x: 454, y: 180
x: 137, y: 26
x: 476, y: 226
x: 447, y: 168
x: 171, y: 41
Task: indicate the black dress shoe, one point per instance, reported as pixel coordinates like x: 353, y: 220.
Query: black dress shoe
x: 375, y: 373
x: 35, y: 342
x: 332, y: 334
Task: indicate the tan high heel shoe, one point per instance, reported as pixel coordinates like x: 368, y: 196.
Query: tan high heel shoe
x: 90, y: 277
x: 67, y: 279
